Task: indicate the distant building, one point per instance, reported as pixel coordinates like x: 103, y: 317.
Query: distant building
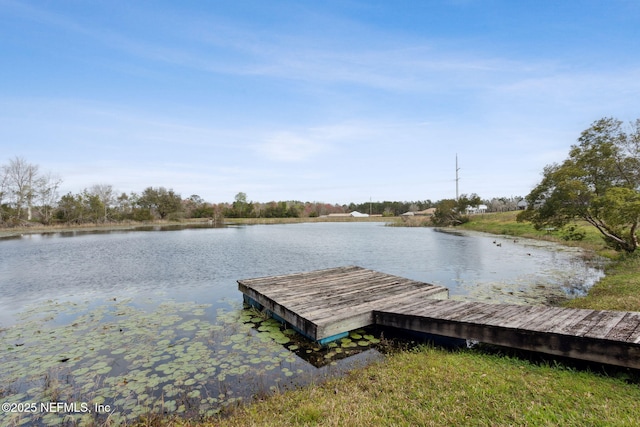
x: 480, y: 209
x: 426, y: 212
x: 354, y: 214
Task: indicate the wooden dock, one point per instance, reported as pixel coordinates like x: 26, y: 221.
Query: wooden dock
x: 611, y: 337
x: 325, y: 305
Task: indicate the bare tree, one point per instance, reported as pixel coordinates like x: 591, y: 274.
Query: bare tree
x: 3, y: 192
x: 23, y: 190
x: 106, y: 195
x: 20, y: 180
x: 47, y: 195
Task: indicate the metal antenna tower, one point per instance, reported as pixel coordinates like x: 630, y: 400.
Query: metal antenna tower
x: 457, y: 178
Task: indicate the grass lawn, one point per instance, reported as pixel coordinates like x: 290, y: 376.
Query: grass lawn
x: 434, y: 387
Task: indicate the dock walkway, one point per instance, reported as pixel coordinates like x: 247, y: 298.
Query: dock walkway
x: 325, y: 305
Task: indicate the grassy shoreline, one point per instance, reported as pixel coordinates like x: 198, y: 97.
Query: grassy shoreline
x: 618, y: 290
x: 433, y: 386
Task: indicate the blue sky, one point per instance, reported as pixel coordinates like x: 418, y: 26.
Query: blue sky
x: 333, y: 101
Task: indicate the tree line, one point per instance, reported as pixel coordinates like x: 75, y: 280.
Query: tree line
x: 598, y: 183
x: 29, y: 196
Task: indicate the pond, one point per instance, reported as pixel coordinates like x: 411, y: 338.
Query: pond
x: 125, y: 323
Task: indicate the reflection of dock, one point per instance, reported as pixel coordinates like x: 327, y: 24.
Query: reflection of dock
x: 325, y: 305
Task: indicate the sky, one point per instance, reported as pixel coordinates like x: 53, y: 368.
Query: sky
x: 326, y: 101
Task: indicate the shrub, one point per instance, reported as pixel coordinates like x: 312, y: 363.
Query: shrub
x: 572, y: 232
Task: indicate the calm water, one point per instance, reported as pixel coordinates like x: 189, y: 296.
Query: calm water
x: 202, y: 265
x: 152, y: 321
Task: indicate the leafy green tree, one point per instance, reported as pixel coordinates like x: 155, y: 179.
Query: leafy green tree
x: 70, y: 209
x: 79, y: 208
x: 124, y: 206
x: 452, y: 212
x: 274, y: 210
x: 240, y: 208
x: 599, y: 183
x: 446, y: 213
x: 294, y: 210
x: 196, y: 207
x: 163, y: 202
x: 93, y: 206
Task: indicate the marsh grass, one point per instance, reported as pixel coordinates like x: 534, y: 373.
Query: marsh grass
x: 415, y: 221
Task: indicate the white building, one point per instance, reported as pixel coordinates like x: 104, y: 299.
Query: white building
x: 480, y: 209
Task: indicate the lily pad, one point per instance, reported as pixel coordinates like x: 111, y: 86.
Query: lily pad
x: 138, y: 358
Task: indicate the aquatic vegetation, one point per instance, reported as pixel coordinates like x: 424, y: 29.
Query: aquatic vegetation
x: 134, y: 362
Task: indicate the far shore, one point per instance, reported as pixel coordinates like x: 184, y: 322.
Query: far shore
x: 12, y: 232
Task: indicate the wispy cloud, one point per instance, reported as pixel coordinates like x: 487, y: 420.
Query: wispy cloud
x: 222, y: 100
x: 289, y: 147
x: 221, y: 46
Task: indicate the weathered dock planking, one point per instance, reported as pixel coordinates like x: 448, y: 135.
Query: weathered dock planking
x: 610, y: 337
x: 325, y: 305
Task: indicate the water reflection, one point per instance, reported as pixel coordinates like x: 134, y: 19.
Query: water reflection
x: 202, y: 265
